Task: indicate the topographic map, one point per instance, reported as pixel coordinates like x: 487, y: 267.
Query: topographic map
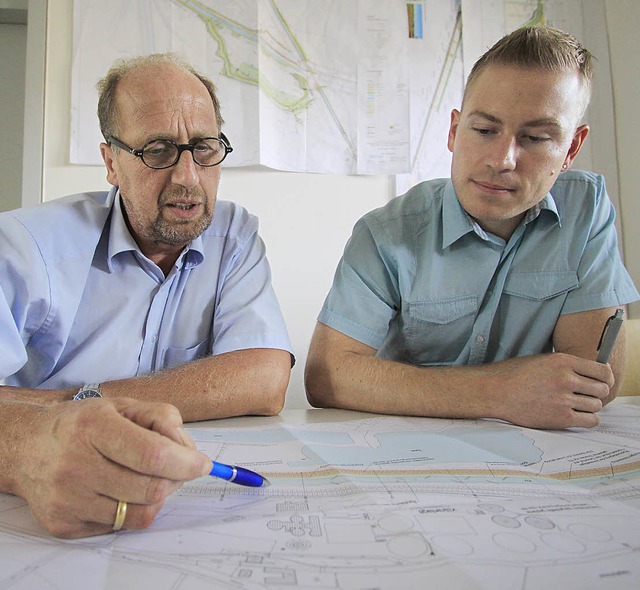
x: 374, y: 502
x: 340, y: 86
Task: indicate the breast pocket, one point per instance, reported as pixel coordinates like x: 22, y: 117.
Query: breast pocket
x: 541, y: 286
x: 530, y: 307
x: 174, y: 356
x: 438, y: 330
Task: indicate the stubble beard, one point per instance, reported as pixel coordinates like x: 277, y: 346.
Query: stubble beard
x: 180, y: 233
x: 176, y: 233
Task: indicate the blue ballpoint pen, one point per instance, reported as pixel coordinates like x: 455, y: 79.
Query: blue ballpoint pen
x: 239, y: 475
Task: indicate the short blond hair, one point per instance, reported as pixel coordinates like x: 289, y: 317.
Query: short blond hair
x: 539, y: 47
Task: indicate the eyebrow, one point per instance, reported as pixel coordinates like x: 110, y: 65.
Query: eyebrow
x: 545, y: 122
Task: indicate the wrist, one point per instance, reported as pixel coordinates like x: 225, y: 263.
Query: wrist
x: 91, y: 390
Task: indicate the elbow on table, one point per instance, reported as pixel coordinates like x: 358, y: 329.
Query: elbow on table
x: 275, y: 386
x: 317, y: 385
x: 273, y: 401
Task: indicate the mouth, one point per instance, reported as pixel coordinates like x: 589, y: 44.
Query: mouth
x: 184, y: 210
x: 493, y: 188
x: 183, y: 206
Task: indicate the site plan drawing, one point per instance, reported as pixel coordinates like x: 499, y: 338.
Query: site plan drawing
x: 374, y: 502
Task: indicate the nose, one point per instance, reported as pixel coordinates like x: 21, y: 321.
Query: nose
x: 184, y: 171
x: 503, y: 154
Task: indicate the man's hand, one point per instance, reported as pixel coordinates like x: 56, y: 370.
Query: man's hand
x: 551, y: 391
x: 80, y: 458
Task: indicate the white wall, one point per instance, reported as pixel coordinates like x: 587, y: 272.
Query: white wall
x: 623, y: 17
x: 305, y: 218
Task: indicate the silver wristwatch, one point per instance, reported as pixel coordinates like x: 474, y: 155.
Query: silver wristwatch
x: 87, y: 391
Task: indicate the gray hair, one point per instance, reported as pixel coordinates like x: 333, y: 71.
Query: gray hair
x: 107, y: 86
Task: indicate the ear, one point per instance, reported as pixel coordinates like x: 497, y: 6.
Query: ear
x: 109, y: 161
x: 453, y: 128
x: 576, y: 143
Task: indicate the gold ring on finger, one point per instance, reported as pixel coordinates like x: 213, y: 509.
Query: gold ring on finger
x: 121, y: 513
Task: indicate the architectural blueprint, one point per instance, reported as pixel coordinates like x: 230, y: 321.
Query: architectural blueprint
x: 364, y: 503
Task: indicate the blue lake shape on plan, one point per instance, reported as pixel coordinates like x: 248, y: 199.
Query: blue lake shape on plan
x: 493, y: 444
x: 458, y: 445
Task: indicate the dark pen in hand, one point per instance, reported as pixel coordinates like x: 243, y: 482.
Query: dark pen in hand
x: 609, y: 334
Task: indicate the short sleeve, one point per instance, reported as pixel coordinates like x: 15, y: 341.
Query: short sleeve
x: 364, y: 296
x: 248, y: 314
x: 603, y: 279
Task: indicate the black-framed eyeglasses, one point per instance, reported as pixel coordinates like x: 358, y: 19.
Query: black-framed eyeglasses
x: 163, y: 153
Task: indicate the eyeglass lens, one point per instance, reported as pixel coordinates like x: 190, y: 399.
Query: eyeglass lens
x: 162, y: 153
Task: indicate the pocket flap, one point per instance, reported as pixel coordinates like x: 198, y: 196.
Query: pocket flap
x: 443, y: 311
x: 539, y: 286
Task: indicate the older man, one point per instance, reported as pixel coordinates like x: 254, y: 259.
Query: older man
x: 449, y: 300
x: 152, y: 291
x: 110, y: 287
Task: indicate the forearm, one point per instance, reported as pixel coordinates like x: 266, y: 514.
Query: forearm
x: 17, y: 422
x: 367, y: 383
x: 540, y: 391
x: 43, y: 397
x: 238, y: 383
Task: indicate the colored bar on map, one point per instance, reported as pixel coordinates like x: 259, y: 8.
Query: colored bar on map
x: 414, y: 18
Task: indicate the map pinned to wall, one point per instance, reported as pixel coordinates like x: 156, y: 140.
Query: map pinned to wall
x: 331, y: 86
x: 306, y: 85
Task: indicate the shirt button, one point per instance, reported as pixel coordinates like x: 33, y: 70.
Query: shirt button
x: 479, y: 339
x: 154, y: 338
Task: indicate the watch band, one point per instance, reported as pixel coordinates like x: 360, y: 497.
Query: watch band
x: 87, y: 391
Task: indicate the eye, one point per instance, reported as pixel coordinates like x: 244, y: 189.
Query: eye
x: 483, y: 130
x: 536, y: 138
x: 205, y: 147
x: 158, y: 148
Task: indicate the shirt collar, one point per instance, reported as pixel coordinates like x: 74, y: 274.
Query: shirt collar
x: 121, y: 240
x: 456, y: 222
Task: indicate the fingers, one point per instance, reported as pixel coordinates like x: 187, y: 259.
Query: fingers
x: 586, y: 403
x: 99, y: 519
x: 85, y: 456
x: 162, y: 418
x: 596, y: 373
x: 555, y: 391
x: 583, y: 420
x: 144, y: 451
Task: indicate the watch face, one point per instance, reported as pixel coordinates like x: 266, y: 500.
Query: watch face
x: 86, y: 393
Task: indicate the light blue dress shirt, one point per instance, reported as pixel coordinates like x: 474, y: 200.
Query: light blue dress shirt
x: 422, y: 283
x: 80, y: 303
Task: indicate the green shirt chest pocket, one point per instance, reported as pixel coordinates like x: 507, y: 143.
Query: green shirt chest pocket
x: 540, y: 286
x: 437, y: 331
x: 529, y: 310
